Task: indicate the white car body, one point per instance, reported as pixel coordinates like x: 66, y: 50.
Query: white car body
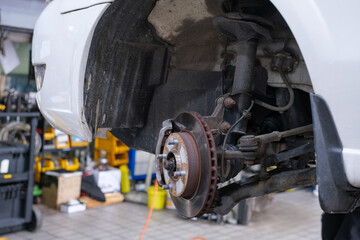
x: 333, y: 64
x: 62, y: 38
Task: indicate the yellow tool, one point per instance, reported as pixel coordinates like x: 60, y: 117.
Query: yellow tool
x: 77, y: 142
x: 49, y: 164
x: 49, y: 133
x: 117, y: 152
x: 69, y: 164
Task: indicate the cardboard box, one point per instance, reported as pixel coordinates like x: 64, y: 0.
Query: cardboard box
x: 59, y: 188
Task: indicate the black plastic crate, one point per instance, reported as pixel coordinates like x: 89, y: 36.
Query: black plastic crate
x: 12, y: 201
x: 17, y: 180
x: 13, y: 158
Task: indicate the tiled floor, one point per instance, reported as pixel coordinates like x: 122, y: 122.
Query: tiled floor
x: 292, y: 215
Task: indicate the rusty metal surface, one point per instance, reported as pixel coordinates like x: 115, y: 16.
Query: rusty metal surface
x: 233, y: 193
x: 191, y: 204
x: 213, y: 166
x: 224, y: 127
x: 236, y: 155
x: 213, y: 123
x: 186, y: 154
x: 166, y: 126
x: 276, y: 136
x: 251, y: 140
x: 229, y: 102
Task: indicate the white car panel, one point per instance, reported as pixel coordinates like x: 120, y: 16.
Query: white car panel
x: 71, y: 5
x: 331, y: 52
x: 62, y: 42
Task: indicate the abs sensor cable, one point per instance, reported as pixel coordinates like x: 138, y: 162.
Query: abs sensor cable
x: 245, y: 114
x: 286, y: 81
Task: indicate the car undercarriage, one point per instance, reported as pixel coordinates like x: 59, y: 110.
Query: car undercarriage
x: 213, y: 88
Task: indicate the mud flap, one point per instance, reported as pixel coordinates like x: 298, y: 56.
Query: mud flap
x: 335, y: 193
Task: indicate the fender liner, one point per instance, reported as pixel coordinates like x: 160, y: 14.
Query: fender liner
x: 126, y: 62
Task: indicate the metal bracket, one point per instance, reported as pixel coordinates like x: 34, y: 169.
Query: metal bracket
x: 166, y: 126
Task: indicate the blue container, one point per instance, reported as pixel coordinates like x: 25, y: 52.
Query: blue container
x: 131, y: 165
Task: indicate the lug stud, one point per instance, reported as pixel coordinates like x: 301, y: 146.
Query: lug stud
x: 167, y: 186
x: 179, y: 173
x: 161, y: 156
x: 173, y: 142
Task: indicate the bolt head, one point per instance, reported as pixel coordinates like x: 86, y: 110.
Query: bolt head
x: 229, y: 102
x: 225, y: 126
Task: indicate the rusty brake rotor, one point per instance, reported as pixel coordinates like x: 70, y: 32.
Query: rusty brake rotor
x: 189, y: 165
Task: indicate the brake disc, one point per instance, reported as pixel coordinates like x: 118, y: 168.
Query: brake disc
x: 188, y: 164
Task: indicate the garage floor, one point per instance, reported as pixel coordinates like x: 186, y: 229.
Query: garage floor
x: 292, y: 215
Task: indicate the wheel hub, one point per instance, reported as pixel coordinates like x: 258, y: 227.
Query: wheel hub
x: 181, y: 168
x: 187, y: 164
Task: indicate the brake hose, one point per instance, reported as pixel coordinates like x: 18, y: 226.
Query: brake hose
x: 286, y: 81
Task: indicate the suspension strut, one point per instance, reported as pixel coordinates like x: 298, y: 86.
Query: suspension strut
x: 243, y: 78
x: 246, y: 35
